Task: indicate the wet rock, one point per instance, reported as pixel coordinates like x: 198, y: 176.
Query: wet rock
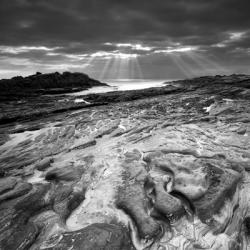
x: 93, y: 237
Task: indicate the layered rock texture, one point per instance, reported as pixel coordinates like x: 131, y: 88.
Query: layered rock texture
x: 156, y: 169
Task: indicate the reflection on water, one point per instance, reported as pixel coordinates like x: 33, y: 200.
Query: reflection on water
x: 123, y: 84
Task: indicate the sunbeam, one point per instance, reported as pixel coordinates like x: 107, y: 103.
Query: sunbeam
x: 138, y: 69
x: 106, y: 69
x: 185, y: 68
x: 207, y: 65
x: 115, y: 65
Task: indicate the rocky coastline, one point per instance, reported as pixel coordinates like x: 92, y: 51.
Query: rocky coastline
x: 39, y: 84
x: 158, y: 169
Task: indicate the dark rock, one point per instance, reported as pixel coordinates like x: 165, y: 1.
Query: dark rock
x: 46, y: 83
x: 83, y: 145
x: 21, y: 237
x: 15, y: 230
x: 66, y: 173
x: 247, y: 225
x: 2, y: 173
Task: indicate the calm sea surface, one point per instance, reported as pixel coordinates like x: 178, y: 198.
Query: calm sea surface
x: 123, y: 84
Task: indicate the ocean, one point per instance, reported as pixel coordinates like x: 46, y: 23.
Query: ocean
x: 123, y: 84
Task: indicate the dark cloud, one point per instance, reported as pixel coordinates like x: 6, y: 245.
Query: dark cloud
x: 79, y: 27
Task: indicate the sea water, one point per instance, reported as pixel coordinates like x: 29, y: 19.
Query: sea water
x: 123, y: 84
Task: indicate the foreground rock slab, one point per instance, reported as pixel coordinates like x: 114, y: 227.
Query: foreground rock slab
x: 94, y: 237
x: 163, y: 168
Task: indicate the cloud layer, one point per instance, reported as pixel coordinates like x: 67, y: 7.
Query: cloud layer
x: 165, y: 39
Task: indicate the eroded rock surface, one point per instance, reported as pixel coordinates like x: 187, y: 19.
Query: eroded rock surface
x: 154, y: 169
x: 93, y: 237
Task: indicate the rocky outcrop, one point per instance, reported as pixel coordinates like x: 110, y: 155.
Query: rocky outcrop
x: 53, y: 83
x: 166, y: 168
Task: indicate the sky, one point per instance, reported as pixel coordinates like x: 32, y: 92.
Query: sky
x: 129, y: 39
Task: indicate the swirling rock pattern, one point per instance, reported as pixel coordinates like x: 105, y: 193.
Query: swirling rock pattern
x: 152, y: 169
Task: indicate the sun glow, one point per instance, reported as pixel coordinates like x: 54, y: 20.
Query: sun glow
x: 127, y: 60
x: 176, y: 49
x: 115, y: 54
x: 131, y: 46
